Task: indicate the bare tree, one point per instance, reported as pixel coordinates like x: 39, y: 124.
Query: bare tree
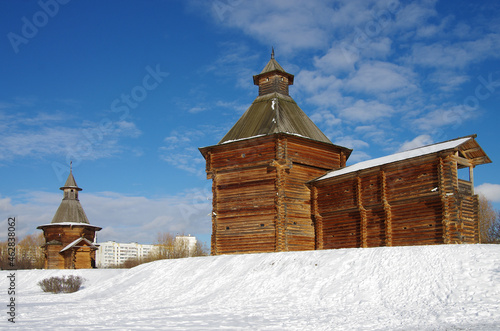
x: 168, y: 246
x: 165, y: 243
x: 200, y: 249
x: 28, y: 253
x: 489, y: 231
x: 173, y: 247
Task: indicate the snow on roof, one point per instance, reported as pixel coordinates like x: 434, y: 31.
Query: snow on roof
x: 240, y: 139
x: 73, y: 244
x: 430, y: 149
x: 68, y: 224
x: 263, y: 135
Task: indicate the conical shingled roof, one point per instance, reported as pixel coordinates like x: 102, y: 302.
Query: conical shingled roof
x: 274, y: 113
x: 70, y: 182
x: 272, y: 65
x: 70, y: 209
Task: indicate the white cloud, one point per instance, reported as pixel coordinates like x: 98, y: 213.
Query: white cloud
x: 447, y: 80
x: 375, y: 133
x: 418, y: 141
x: 454, y: 116
x: 175, y: 140
x: 324, y: 90
x: 490, y: 191
x: 351, y: 142
x: 357, y: 156
x: 325, y: 117
x: 313, y: 81
x: 233, y: 106
x: 181, y: 148
x: 363, y: 111
x: 336, y: 60
x: 196, y: 109
x: 415, y: 14
x: 123, y: 218
x: 46, y: 135
x: 236, y: 61
x: 381, y: 77
x: 288, y: 25
x: 458, y: 54
x: 188, y: 160
x: 5, y: 204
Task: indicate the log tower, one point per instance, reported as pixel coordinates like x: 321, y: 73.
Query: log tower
x: 69, y: 238
x: 259, y: 170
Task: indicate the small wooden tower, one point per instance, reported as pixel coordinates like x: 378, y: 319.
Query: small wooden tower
x: 69, y: 238
x: 259, y: 170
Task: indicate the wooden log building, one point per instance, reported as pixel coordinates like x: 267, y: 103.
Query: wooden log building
x: 411, y: 198
x: 69, y: 238
x: 279, y: 184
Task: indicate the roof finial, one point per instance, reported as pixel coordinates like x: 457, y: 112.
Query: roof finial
x: 272, y: 52
x: 70, y: 166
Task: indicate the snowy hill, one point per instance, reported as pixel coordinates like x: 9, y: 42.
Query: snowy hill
x: 453, y: 287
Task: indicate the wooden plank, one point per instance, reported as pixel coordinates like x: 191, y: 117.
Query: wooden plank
x: 387, y: 210
x: 362, y: 213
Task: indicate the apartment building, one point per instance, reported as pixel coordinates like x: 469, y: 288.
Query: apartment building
x: 111, y: 253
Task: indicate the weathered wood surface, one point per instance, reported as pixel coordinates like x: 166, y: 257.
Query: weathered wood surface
x: 58, y: 237
x: 419, y: 202
x: 273, y: 83
x: 260, y: 200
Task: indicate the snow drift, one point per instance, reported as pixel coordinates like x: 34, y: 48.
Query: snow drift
x: 393, y: 288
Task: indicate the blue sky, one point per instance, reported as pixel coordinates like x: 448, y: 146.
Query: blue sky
x: 128, y: 91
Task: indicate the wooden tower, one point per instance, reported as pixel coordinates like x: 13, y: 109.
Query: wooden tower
x: 259, y: 170
x: 69, y: 238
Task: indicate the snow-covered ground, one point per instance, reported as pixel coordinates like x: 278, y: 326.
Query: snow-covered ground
x: 453, y: 287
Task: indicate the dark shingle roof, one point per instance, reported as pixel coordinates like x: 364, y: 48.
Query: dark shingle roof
x: 274, y: 113
x: 272, y: 65
x: 70, y: 209
x: 70, y: 182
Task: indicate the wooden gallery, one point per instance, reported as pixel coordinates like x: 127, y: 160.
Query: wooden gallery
x: 279, y: 184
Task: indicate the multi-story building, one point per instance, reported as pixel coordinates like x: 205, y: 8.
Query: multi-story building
x: 111, y: 253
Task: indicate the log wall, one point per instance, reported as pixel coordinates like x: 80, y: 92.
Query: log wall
x: 53, y: 260
x: 260, y: 200
x: 414, y: 202
x: 273, y: 83
x: 62, y: 236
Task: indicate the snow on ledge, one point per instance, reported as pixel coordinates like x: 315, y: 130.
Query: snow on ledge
x: 69, y: 224
x: 430, y: 149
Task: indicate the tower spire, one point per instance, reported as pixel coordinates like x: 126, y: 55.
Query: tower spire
x: 272, y: 52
